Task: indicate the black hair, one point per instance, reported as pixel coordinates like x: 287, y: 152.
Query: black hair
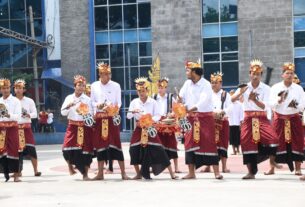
x: 198, y: 71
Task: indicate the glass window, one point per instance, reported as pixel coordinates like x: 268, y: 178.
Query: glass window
x: 229, y: 44
x: 229, y: 29
x: 130, y: 16
x: 210, y: 45
x: 100, y: 2
x: 116, y: 55
x: 133, y: 54
x: 299, y: 52
x: 117, y: 75
x: 102, y: 52
x: 115, y: 1
x: 101, y: 19
x: 5, y: 54
x: 300, y: 65
x: 228, y: 10
x: 229, y: 56
x: 230, y: 71
x: 299, y: 39
x: 129, y: 1
x: 210, y: 68
x: 130, y: 36
x: 115, y: 17
x: 36, y: 6
x: 18, y: 26
x: 299, y: 7
x: 146, y: 61
x: 145, y: 49
x: 145, y: 35
x: 210, y: 58
x: 4, y: 24
x: 210, y: 30
x: 101, y: 38
x: 144, y: 15
x: 17, y: 9
x: 210, y: 11
x: 37, y: 28
x: 131, y: 74
x: 4, y: 10
x: 19, y: 57
x: 116, y: 37
x: 299, y: 23
x: 144, y: 71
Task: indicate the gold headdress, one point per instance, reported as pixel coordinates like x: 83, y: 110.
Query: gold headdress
x: 79, y: 79
x: 141, y: 83
x: 103, y: 68
x: 256, y: 66
x: 216, y: 77
x: 191, y: 65
x: 163, y: 82
x: 5, y: 82
x: 288, y: 66
x: 19, y: 83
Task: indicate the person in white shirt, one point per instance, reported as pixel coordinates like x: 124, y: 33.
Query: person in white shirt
x: 106, y: 96
x: 10, y: 144
x: 222, y: 105
x: 24, y: 123
x: 167, y: 136
x: 77, y: 146
x: 235, y: 116
x: 258, y: 138
x: 200, y: 145
x: 287, y: 101
x: 146, y: 150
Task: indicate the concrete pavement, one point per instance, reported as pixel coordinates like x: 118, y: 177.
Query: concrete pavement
x: 57, y: 188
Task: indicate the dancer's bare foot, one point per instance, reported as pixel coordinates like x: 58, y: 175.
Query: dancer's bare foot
x: 16, y: 179
x: 207, y: 169
x: 302, y: 178
x: 72, y: 171
x: 125, y: 177
x: 137, y: 177
x: 219, y: 177
x: 108, y: 171
x: 38, y: 174
x: 86, y: 178
x: 178, y: 171
x: 226, y: 170
x: 248, y: 176
x: 174, y: 177
x: 275, y: 165
x: 298, y: 172
x: 189, y: 176
x: 270, y: 172
x: 98, y: 177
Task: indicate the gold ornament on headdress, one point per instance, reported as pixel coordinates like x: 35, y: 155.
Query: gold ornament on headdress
x: 19, y: 83
x: 216, y: 77
x: 141, y: 83
x: 103, y: 68
x: 256, y: 66
x: 79, y: 79
x: 163, y: 83
x: 5, y: 82
x: 288, y: 66
x: 191, y: 65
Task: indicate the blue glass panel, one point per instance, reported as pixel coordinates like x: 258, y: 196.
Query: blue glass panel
x: 299, y: 67
x: 101, y: 38
x: 299, y: 23
x: 145, y: 35
x: 116, y: 37
x: 130, y: 36
x: 210, y: 30
x: 228, y: 29
x: 299, y: 52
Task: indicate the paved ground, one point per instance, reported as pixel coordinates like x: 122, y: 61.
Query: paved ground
x: 57, y: 188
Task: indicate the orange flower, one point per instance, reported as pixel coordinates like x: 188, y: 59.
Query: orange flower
x: 146, y: 121
x: 112, y: 110
x: 83, y: 109
x: 179, y: 110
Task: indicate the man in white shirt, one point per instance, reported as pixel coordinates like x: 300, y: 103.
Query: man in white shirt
x: 258, y: 138
x: 106, y: 95
x: 10, y: 144
x: 200, y: 145
x: 77, y: 147
x: 235, y: 116
x: 222, y: 103
x: 24, y: 123
x: 145, y: 150
x: 166, y: 132
x: 287, y: 101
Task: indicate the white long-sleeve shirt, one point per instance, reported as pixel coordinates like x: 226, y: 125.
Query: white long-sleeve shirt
x: 236, y: 114
x: 197, y: 95
x: 149, y: 107
x: 13, y: 107
x: 263, y: 92
x: 29, y: 105
x: 71, y: 112
x: 109, y: 93
x: 216, y: 97
x: 294, y: 92
x: 162, y: 104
